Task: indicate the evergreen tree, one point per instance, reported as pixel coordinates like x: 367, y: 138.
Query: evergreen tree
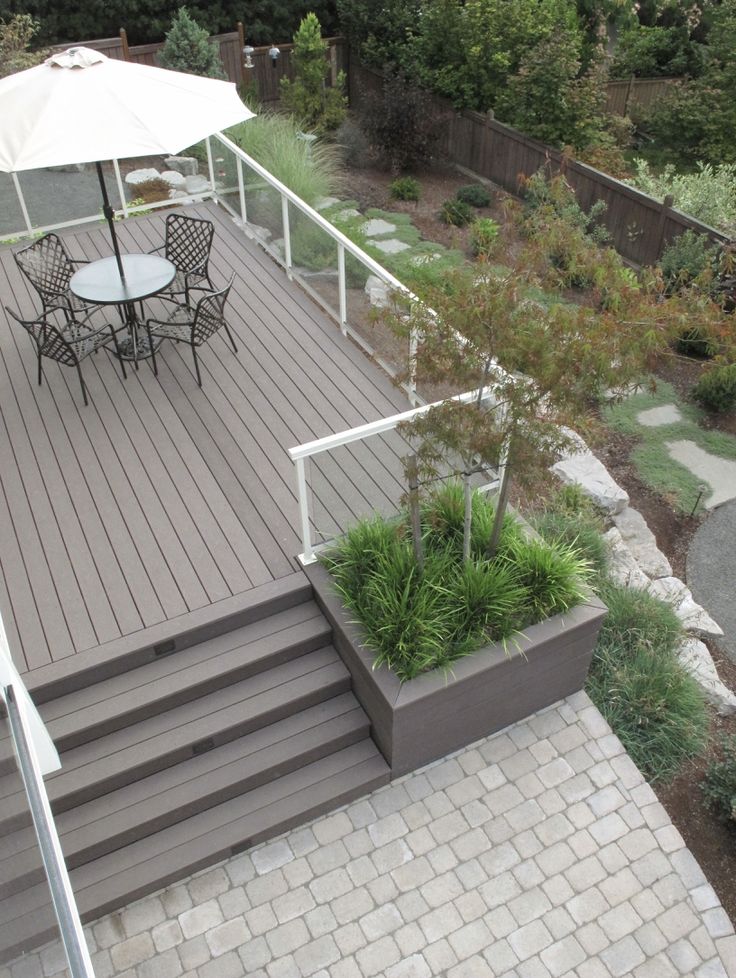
x: 316, y: 106
x: 188, y: 49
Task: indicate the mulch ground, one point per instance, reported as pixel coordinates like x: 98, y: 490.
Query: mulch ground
x: 712, y: 841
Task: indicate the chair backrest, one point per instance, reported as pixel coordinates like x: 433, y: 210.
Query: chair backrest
x: 188, y: 242
x: 47, y: 265
x: 49, y: 340
x: 209, y: 314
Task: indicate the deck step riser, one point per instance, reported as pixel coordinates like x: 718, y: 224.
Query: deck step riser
x: 237, y: 673
x: 85, y: 844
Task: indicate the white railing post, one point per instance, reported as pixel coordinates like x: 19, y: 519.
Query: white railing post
x: 241, y: 190
x: 307, y: 555
x: 121, y: 188
x: 22, y: 202
x: 211, y: 166
x: 342, y: 287
x: 287, y: 232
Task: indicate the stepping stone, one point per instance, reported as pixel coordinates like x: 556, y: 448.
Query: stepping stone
x: 392, y: 246
x: 378, y: 292
x: 326, y: 202
x: 377, y: 226
x: 719, y: 473
x: 347, y: 213
x: 657, y: 416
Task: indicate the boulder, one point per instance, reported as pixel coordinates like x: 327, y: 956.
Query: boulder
x: 188, y: 166
x: 174, y: 179
x: 378, y: 292
x: 177, y: 194
x: 141, y: 176
x: 694, y: 618
x: 695, y: 657
x: 196, y: 184
x: 622, y: 566
x: 642, y: 543
x: 584, y: 469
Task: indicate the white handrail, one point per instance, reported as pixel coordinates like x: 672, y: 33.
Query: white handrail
x: 331, y: 442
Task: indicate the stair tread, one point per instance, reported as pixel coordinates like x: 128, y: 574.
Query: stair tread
x: 162, y: 740
x: 148, y: 864
x: 147, y: 805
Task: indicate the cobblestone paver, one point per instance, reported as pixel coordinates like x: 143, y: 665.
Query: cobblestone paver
x: 539, y: 852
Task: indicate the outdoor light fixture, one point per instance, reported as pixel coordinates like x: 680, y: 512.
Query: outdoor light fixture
x: 248, y: 55
x: 274, y: 54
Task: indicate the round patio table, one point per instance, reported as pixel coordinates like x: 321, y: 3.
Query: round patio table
x: 99, y: 282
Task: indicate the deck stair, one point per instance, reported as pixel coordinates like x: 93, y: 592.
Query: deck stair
x: 173, y: 763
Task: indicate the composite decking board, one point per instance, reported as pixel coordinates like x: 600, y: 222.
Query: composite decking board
x: 84, y: 587
x: 223, y: 509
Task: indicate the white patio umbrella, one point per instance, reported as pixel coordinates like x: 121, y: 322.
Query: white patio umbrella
x: 83, y: 107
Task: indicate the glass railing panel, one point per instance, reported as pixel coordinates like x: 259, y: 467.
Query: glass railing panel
x: 11, y: 215
x: 263, y: 211
x: 61, y: 194
x: 314, y: 259
x: 372, y: 306
x: 225, y: 164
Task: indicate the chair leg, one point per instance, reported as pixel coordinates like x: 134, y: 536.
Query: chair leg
x: 40, y: 369
x: 230, y: 337
x: 196, y: 364
x: 82, y: 385
x: 152, y: 348
x: 117, y: 351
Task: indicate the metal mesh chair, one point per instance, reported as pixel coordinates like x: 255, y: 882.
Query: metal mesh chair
x: 187, y: 246
x: 194, y: 326
x: 48, y: 267
x: 68, y: 345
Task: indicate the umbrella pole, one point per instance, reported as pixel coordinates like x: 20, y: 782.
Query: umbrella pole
x: 110, y: 217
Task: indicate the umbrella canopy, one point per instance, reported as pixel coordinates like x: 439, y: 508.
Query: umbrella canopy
x: 81, y: 106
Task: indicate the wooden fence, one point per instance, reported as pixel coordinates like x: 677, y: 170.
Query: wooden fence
x: 640, y: 226
x: 623, y: 96
x: 264, y: 76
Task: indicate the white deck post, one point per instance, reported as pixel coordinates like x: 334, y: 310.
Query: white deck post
x: 211, y: 166
x: 121, y: 188
x: 241, y: 190
x: 342, y: 287
x: 287, y: 232
x: 307, y: 556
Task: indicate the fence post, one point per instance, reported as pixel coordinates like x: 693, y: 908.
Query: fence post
x: 664, y: 211
x: 124, y: 44
x: 241, y: 45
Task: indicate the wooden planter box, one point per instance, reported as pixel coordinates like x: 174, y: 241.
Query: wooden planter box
x: 426, y: 718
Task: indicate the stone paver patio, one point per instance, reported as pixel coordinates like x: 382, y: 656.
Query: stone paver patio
x: 540, y: 851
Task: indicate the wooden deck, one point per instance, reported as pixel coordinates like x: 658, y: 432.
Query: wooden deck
x: 159, y: 498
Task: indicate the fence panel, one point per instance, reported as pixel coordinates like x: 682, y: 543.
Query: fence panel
x: 640, y: 226
x: 622, y: 96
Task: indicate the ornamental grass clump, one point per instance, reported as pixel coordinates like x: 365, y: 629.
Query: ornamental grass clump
x: 417, y: 620
x: 636, y: 681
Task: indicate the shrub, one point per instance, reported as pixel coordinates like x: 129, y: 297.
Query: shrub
x: 694, y: 343
x: 456, y: 212
x: 352, y: 140
x: 188, y: 49
x: 317, y: 107
x: 648, y: 52
x: 400, y: 123
x: 653, y: 705
x: 484, y: 237
x: 152, y: 191
x: 716, y: 389
x: 547, y: 197
x: 474, y: 194
x: 405, y: 188
x: 719, y: 786
x: 685, y: 258
x: 16, y: 35
x: 708, y: 193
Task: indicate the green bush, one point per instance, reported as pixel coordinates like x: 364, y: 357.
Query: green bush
x: 651, y: 51
x: 716, y: 389
x: 353, y: 142
x: 719, y: 786
x: 188, y: 49
x: 417, y: 622
x: 484, y: 237
x: 694, y: 343
x: 400, y: 123
x: 685, y: 258
x: 317, y: 107
x: 405, y: 188
x: 456, y: 212
x: 708, y: 193
x: 653, y: 705
x: 474, y: 194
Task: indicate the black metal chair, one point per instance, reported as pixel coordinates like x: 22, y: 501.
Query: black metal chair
x: 187, y: 246
x: 68, y: 345
x: 194, y: 326
x: 48, y: 267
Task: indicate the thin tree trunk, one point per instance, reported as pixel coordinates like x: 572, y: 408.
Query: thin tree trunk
x: 416, y: 521
x: 501, y: 504
x: 467, y: 524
